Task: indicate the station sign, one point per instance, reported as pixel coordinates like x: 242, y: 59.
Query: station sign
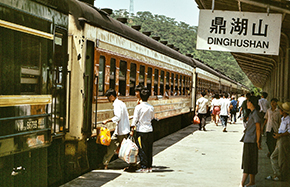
x: 244, y: 32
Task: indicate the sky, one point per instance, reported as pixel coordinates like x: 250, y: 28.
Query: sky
x: 182, y: 10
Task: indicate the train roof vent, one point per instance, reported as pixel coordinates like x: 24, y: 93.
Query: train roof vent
x: 147, y: 33
x: 189, y: 55
x: 136, y: 27
x: 175, y: 48
x: 170, y: 45
x: 122, y: 20
x: 157, y: 38
x: 107, y: 10
x: 164, y: 42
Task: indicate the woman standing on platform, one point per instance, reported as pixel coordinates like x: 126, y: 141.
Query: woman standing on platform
x: 252, y: 143
x: 216, y: 108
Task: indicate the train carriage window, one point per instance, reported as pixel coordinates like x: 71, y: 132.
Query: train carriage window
x: 142, y: 75
x: 180, y: 85
x: 122, y: 78
x: 187, y: 85
x: 149, y: 79
x: 156, y: 75
x: 176, y: 92
x: 172, y: 83
x: 112, y: 73
x: 25, y: 59
x: 199, y: 85
x: 162, y: 83
x: 132, y: 78
x: 167, y: 78
x: 183, y: 88
x: 31, y: 65
x: 101, y: 75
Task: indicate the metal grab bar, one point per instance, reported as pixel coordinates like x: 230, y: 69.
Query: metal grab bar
x: 25, y: 117
x: 24, y: 133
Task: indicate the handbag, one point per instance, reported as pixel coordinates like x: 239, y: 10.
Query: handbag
x: 196, y: 120
x: 104, y: 136
x: 128, y: 151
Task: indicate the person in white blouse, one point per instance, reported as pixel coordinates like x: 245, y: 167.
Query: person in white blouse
x: 121, y: 119
x: 280, y: 159
x: 143, y: 115
x: 264, y: 105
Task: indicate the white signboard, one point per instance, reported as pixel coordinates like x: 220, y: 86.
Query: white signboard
x: 244, y: 32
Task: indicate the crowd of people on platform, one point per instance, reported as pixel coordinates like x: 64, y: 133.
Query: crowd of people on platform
x: 260, y: 118
x: 271, y: 120
x: 220, y: 107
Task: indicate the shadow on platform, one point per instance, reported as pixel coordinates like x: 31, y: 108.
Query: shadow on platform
x: 101, y: 177
x: 93, y: 178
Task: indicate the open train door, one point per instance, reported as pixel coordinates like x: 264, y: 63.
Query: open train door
x: 88, y: 88
x: 90, y: 105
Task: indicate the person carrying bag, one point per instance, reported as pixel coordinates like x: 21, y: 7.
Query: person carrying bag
x: 143, y: 115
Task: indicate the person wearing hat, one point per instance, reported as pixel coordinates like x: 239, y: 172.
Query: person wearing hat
x: 280, y: 157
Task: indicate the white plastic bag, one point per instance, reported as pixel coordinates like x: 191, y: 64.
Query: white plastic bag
x: 128, y: 151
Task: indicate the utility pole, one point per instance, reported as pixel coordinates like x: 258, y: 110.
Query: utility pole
x: 131, y: 10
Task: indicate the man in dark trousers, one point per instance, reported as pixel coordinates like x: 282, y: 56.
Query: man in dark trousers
x: 122, y: 130
x: 143, y: 115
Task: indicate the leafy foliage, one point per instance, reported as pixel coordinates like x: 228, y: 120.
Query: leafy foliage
x: 183, y: 36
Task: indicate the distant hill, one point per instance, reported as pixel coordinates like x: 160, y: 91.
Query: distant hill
x: 183, y: 36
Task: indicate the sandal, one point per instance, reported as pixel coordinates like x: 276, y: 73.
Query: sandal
x: 269, y: 177
x: 274, y: 178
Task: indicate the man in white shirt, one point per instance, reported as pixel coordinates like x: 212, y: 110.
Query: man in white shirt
x: 280, y: 157
x: 201, y: 110
x: 272, y: 123
x: 225, y: 110
x: 263, y: 103
x: 121, y: 119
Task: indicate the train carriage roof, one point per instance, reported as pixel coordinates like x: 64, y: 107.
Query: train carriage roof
x: 213, y: 71
x: 86, y: 13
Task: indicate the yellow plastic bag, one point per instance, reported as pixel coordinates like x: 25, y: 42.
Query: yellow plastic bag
x: 104, y: 137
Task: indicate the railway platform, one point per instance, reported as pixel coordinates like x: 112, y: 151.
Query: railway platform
x: 188, y: 157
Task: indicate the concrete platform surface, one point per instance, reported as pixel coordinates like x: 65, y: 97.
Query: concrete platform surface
x: 188, y: 157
